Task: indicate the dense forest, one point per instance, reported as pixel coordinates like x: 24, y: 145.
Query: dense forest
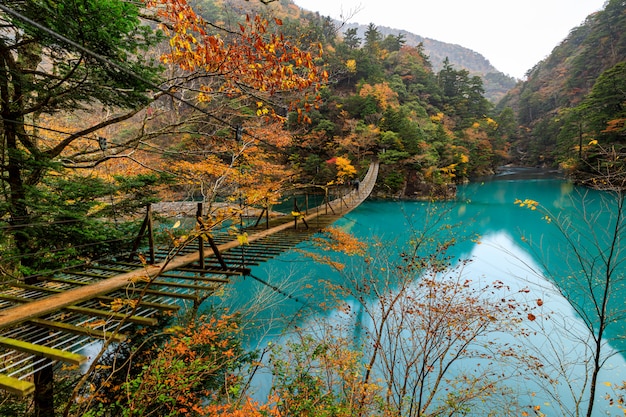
x: 571, y: 106
x: 496, y: 83
x: 110, y: 105
x: 174, y: 122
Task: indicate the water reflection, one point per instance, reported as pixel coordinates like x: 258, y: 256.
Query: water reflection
x: 494, y: 233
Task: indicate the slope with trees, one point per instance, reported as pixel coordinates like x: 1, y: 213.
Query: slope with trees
x: 565, y: 105
x: 429, y: 128
x: 496, y: 83
x: 240, y: 107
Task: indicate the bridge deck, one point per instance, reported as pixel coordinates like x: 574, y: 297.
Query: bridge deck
x: 59, y: 316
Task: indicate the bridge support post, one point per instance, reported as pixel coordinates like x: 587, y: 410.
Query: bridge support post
x: 201, y: 236
x: 147, y: 224
x: 295, y: 218
x: 266, y: 212
x: 204, y: 235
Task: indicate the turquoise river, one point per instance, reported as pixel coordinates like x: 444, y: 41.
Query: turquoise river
x: 516, y: 245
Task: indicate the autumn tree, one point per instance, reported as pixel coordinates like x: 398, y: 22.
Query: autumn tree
x: 413, y: 322
x: 94, y: 72
x: 58, y: 58
x: 250, y: 72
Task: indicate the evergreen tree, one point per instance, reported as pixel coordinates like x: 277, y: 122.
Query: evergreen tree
x: 372, y: 39
x: 351, y: 38
x: 77, y: 56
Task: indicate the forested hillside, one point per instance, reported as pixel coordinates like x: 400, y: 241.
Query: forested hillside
x: 384, y: 98
x: 496, y: 83
x: 575, y: 97
x: 244, y: 97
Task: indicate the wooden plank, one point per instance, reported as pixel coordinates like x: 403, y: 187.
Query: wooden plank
x: 256, y: 248
x: 188, y: 277
x: 35, y: 288
x: 80, y: 274
x: 216, y: 271
x: 199, y: 277
x: 45, y: 351
x: 112, y: 269
x: 14, y: 298
x: 70, y: 281
x: 181, y: 285
x: 79, y: 330
x: 145, y: 321
x: 184, y: 296
x: 16, y: 386
x: 148, y: 304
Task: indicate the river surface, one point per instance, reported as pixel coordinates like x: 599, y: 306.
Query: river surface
x: 517, y: 245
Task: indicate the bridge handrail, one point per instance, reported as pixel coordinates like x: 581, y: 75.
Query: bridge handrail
x: 21, y: 313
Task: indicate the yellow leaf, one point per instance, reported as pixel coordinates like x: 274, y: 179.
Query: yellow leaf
x: 608, y: 384
x: 243, y: 239
x: 176, y: 225
x: 173, y: 329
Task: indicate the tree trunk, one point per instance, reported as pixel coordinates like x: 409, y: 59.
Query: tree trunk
x: 44, y: 391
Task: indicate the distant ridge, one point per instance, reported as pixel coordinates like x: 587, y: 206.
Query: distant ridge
x: 495, y: 82
x: 460, y: 56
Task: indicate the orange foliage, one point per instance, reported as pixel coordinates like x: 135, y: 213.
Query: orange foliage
x: 345, y: 169
x: 175, y: 380
x: 252, y: 167
x: 248, y: 409
x: 256, y: 58
x: 385, y: 96
x: 333, y: 239
x: 337, y: 240
x: 615, y: 125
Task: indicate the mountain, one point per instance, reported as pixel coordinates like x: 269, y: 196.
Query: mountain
x: 496, y: 83
x: 553, y: 97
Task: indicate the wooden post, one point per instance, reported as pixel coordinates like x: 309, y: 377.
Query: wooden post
x: 258, y: 219
x: 327, y: 204
x: 147, y: 224
x: 297, y: 210
x: 217, y: 253
x: 200, y: 236
x: 266, y: 211
x: 150, y: 234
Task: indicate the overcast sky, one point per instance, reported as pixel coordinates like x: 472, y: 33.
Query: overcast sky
x: 513, y: 36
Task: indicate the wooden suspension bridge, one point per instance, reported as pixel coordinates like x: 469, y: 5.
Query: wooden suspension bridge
x: 54, y: 318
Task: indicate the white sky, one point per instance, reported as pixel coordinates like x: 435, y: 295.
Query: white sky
x: 512, y: 35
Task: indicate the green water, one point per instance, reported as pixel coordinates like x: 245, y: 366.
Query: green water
x: 494, y: 233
